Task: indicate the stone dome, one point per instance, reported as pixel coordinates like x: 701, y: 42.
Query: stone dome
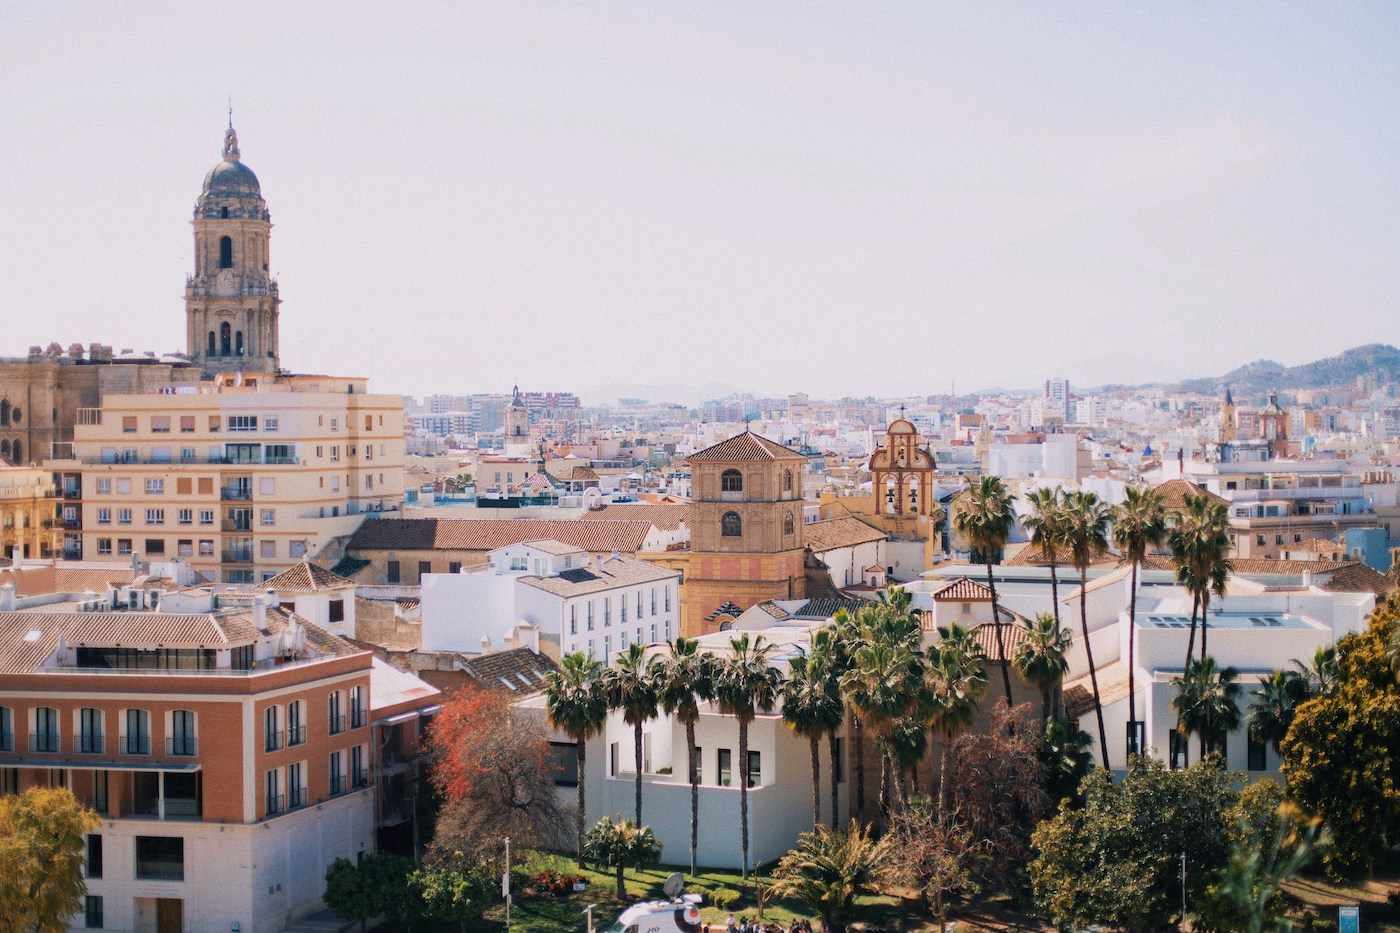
x: 231, y: 178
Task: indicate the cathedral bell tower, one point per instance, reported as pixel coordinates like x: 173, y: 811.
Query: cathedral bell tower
x: 231, y: 300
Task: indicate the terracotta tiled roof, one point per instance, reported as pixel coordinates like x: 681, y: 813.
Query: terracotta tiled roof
x: 1317, y: 546
x: 666, y: 516
x: 1356, y: 577
x: 1079, y: 693
x: 986, y: 637
x: 839, y: 532
x: 518, y: 669
x: 773, y: 609
x: 40, y: 581
x: 464, y: 534
x: 746, y: 446
x: 572, y: 472
x: 828, y: 606
x: 306, y: 577
x: 964, y: 590
x: 550, y: 546
x: 618, y: 572
x: 1030, y: 555
x: 1175, y: 491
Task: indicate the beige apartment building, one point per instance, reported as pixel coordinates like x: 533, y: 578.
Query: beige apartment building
x: 242, y: 477
x: 29, y: 523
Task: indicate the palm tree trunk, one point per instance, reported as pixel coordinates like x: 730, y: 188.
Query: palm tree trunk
x: 1132, y: 633
x: 884, y: 778
x: 1205, y: 621
x: 744, y: 794
x: 582, y: 771
x: 637, y: 750
x: 860, y: 767
x: 943, y: 772
x: 897, y: 787
x: 835, y: 769
x: 1191, y: 639
x: 621, y: 888
x: 996, y: 621
x: 1044, y: 706
x: 1055, y: 594
x: 1089, y: 656
x: 816, y: 780
x: 694, y: 793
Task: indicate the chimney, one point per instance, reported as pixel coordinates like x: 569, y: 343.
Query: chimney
x: 260, y: 613
x: 616, y: 554
x: 17, y: 556
x: 598, y: 563
x: 1307, y: 579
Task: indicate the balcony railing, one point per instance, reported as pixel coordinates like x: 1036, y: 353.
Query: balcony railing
x: 272, y: 742
x: 337, y: 725
x: 135, y: 744
x: 7, y: 741
x: 91, y: 743
x: 359, y: 718
x: 236, y: 493
x: 72, y: 553
x: 45, y: 742
x: 360, y: 779
x: 296, y: 735
x: 296, y: 797
x: 182, y: 745
x: 337, y: 784
x: 237, y: 524
x: 237, y: 557
x: 276, y: 805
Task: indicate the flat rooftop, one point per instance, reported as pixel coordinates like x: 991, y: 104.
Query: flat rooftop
x: 1259, y: 620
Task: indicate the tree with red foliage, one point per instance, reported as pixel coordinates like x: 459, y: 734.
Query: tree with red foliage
x: 492, y: 768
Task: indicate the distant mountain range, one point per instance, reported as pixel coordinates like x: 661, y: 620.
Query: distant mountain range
x: 1379, y: 359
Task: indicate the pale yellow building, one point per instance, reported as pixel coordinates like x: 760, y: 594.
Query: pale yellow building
x: 29, y: 523
x: 241, y: 477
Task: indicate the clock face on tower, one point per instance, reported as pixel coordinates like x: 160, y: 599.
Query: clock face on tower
x: 225, y: 280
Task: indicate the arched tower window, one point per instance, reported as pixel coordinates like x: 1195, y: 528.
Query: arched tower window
x: 789, y: 526
x: 238, y: 344
x: 787, y: 481
x: 223, y: 212
x: 4, y: 448
x: 731, y: 525
x: 213, y: 345
x: 731, y: 481
x: 225, y: 252
x: 225, y: 339
x: 4, y: 413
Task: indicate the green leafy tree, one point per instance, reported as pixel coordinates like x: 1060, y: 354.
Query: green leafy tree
x: 1342, y: 752
x: 618, y: 845
x: 1045, y: 526
x: 684, y: 680
x: 1139, y: 524
x: 1207, y: 703
x: 1117, y: 860
x: 1065, y: 760
x: 746, y: 682
x: 347, y: 893
x: 629, y: 685
x: 986, y: 520
x: 1085, y: 537
x: 575, y: 705
x: 1200, y: 546
x: 43, y: 840
x: 454, y: 895
x: 829, y: 867
x: 812, y: 708
x: 1040, y: 657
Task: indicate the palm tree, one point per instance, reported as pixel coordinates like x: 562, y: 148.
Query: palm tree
x: 845, y: 640
x: 827, y: 654
x: 1200, y: 544
x: 955, y: 679
x: 685, y: 679
x: 1272, y: 707
x: 828, y: 868
x: 1139, y: 522
x: 575, y: 706
x: 986, y: 522
x: 1045, y: 526
x: 882, y: 684
x: 746, y: 683
x: 1040, y: 657
x: 1065, y: 758
x: 1207, y: 702
x: 812, y: 708
x: 630, y: 686
x: 1320, y: 677
x: 1085, y: 537
x: 909, y: 742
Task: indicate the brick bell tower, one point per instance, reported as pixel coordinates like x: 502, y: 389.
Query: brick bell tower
x: 231, y: 299
x: 747, y: 542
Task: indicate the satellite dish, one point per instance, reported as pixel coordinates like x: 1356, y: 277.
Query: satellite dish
x: 673, y: 885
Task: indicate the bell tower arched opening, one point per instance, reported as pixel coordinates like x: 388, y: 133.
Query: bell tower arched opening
x: 225, y: 252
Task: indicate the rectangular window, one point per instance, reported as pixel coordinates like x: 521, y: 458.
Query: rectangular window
x: 296, y: 729
x: 1258, y: 756
x: 206, y: 485
x: 187, y: 424
x: 155, y: 547
x: 90, y: 737
x: 267, y: 486
x: 99, y: 791
x: 160, y: 424
x: 337, y: 773
x: 92, y: 911
x: 137, y: 740
x: 187, y: 455
x: 334, y: 713
x: 185, y: 516
x: 272, y: 735
x: 270, y: 424
x: 104, y: 545
x: 296, y: 786
x: 612, y: 759
x: 123, y: 485
x: 723, y: 768
x: 182, y: 734
x: 155, y: 516
x: 454, y: 566
x: 359, y: 711
x: 104, y: 516
x: 206, y: 516
x: 128, y: 424
x: 183, y: 485
x: 337, y: 611
x: 155, y: 486
x: 7, y: 729
x: 160, y: 858
x: 359, y: 776
x: 272, y: 795
x: 296, y: 548
x: 243, y: 422
x: 653, y: 601
x: 94, y: 856
x: 206, y: 547
x: 391, y: 571
x: 668, y: 599
x: 563, y: 761
x: 607, y: 612
x: 622, y: 609
x: 267, y: 549
x: 45, y: 736
x: 123, y: 547
x: 755, y: 768
x: 424, y: 567
x: 573, y: 620
x: 123, y: 516
x: 104, y: 486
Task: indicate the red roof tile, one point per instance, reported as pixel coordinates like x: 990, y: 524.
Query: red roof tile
x: 746, y: 446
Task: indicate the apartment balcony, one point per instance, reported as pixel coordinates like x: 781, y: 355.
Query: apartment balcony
x: 244, y: 525
x: 236, y: 493
x: 236, y: 557
x: 182, y: 746
x: 337, y: 725
x: 134, y: 745
x: 45, y: 743
x: 296, y: 735
x: 359, y: 718
x: 91, y: 744
x: 296, y: 797
x: 276, y: 805
x: 72, y: 492
x: 360, y: 779
x: 72, y: 553
x: 337, y: 784
x: 1348, y: 491
x: 272, y: 742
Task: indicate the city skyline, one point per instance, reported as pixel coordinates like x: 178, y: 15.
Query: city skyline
x: 762, y: 190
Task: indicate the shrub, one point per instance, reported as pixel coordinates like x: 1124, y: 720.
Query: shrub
x: 725, y: 898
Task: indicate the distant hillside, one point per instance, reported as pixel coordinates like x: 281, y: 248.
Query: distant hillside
x: 1381, y: 359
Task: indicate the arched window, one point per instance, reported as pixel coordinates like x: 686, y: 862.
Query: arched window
x: 223, y: 212
x: 731, y: 525
x: 213, y: 345
x: 788, y: 525
x: 238, y: 344
x: 787, y: 481
x: 18, y: 455
x: 5, y: 449
x: 225, y: 339
x: 4, y: 413
x: 225, y: 252
x: 731, y: 481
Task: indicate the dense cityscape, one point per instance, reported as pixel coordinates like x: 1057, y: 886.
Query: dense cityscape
x: 292, y: 651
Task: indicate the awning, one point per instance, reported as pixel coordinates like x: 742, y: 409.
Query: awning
x: 411, y: 715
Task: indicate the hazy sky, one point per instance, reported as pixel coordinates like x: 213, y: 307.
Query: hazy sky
x: 843, y: 198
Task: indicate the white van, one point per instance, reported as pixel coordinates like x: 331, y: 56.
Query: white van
x: 681, y: 915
